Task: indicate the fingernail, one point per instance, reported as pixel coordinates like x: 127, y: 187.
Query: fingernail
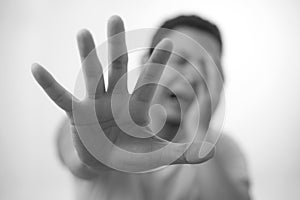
x: 207, y: 150
x: 34, y: 69
x: 34, y: 66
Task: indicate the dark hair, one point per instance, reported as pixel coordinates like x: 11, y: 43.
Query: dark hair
x: 189, y: 21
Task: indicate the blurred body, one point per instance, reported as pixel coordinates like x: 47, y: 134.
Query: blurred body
x: 225, y: 176
x: 211, y: 180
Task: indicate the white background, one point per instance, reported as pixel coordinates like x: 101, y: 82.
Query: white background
x: 261, y: 62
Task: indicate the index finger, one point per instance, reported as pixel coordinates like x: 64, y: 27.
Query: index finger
x: 91, y: 65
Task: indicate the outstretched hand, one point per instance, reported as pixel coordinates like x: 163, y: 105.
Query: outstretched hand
x: 139, y: 150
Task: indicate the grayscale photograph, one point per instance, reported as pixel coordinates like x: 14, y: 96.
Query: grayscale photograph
x: 150, y: 100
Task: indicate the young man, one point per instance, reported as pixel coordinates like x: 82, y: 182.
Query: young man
x: 222, y: 177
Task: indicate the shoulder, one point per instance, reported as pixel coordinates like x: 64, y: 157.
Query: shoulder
x: 227, y: 143
x: 231, y: 157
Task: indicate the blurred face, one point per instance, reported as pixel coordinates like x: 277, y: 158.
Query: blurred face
x: 182, y: 77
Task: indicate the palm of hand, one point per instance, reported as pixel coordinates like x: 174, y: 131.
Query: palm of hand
x: 116, y: 140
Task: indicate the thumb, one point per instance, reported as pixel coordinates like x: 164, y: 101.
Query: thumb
x: 197, y: 153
